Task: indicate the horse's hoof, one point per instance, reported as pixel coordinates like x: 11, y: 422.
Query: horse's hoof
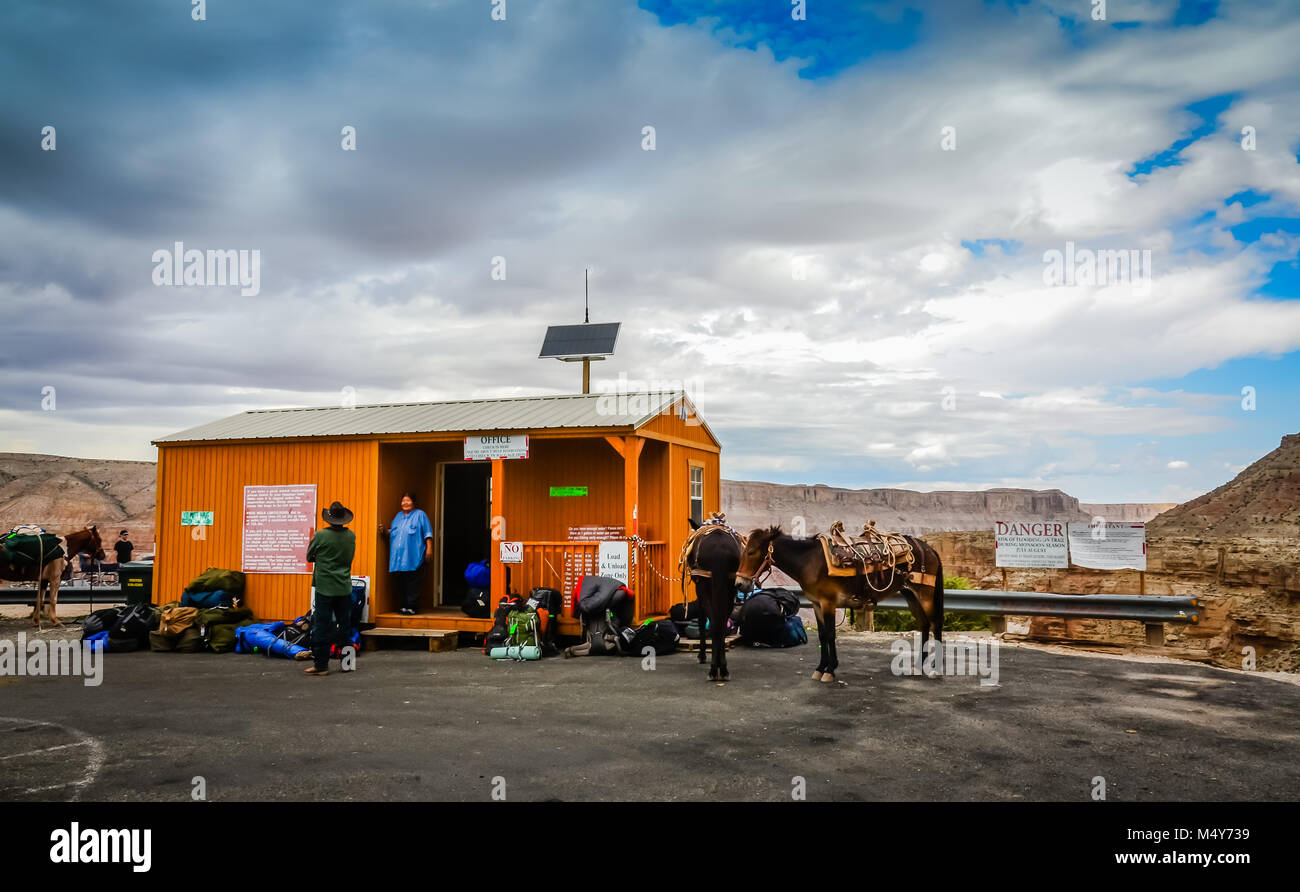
x: 932, y: 674
x: 828, y: 678
x: 817, y: 675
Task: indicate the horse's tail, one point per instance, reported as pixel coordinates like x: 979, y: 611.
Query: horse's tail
x: 938, y: 593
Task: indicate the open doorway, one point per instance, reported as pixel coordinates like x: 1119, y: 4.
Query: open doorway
x: 465, y: 525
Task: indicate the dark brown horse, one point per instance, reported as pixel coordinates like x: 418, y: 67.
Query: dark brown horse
x: 711, y: 556
x: 804, y: 561
x: 47, y: 576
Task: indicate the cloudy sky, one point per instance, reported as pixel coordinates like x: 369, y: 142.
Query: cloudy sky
x: 836, y: 242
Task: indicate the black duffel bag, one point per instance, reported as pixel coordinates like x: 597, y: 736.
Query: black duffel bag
x: 132, y: 629
x: 100, y: 621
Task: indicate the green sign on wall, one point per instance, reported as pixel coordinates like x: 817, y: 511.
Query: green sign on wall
x: 196, y: 518
x: 559, y: 491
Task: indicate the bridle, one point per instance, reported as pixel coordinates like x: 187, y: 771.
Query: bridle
x: 764, y: 567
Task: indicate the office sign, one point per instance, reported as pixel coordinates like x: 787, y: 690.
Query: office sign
x: 490, y: 448
x: 1031, y: 543
x: 562, y: 492
x: 1109, y: 546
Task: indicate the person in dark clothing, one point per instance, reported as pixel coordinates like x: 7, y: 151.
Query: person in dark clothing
x: 123, y: 547
x: 330, y: 553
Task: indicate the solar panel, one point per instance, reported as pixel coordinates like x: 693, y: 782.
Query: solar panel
x: 577, y: 341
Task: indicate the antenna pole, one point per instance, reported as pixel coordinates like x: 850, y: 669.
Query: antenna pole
x: 586, y: 295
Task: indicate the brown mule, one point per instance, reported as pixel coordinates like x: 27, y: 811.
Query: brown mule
x: 804, y: 561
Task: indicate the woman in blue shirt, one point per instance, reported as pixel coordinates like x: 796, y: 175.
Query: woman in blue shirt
x: 410, y: 547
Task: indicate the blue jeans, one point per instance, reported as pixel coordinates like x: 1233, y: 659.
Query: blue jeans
x: 330, y: 624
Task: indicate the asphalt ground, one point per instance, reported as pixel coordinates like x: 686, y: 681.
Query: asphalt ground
x: 409, y: 725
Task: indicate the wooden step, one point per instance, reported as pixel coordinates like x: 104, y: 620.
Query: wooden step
x: 440, y: 640
x: 693, y: 644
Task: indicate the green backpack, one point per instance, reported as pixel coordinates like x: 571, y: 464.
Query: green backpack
x: 523, y: 629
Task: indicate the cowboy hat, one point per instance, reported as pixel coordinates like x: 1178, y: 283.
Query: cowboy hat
x: 336, y: 515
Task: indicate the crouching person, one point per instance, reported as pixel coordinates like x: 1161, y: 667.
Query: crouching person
x: 330, y: 553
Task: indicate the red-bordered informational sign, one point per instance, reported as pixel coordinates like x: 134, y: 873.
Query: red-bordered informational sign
x: 279, y: 522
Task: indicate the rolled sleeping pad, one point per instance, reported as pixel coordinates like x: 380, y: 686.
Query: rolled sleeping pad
x: 529, y: 652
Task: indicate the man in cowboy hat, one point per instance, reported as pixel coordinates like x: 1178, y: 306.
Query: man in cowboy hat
x: 330, y: 552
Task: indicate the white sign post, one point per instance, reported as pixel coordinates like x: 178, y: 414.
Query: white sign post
x: 490, y: 448
x: 1109, y: 546
x: 613, y: 561
x: 1031, y: 543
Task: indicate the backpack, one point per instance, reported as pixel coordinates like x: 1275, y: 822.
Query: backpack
x: 795, y: 633
x: 548, y: 599
x: 524, y: 627
x: 661, y: 635
x: 788, y: 600
x: 762, y: 620
x: 499, y: 634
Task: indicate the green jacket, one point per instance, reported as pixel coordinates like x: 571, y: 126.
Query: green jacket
x: 331, y: 552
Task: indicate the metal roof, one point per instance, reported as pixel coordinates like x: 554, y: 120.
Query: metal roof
x: 599, y: 410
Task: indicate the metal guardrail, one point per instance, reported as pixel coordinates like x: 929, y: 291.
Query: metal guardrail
x: 1138, y: 608
x: 21, y: 597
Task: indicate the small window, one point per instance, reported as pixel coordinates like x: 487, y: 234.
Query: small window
x: 697, y: 494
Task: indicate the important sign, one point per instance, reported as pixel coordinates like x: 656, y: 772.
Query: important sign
x: 595, y: 533
x: 1031, y: 543
x: 1109, y: 546
x: 612, y: 561
x: 279, y: 522
x: 488, y: 448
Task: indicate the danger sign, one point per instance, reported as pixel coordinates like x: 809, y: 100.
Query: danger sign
x: 1031, y: 543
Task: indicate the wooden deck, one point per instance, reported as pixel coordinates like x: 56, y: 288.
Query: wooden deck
x: 452, y: 619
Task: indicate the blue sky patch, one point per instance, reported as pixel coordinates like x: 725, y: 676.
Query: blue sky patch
x: 1208, y: 110
x: 836, y: 34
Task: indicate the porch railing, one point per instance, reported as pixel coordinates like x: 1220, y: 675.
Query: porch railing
x: 560, y: 565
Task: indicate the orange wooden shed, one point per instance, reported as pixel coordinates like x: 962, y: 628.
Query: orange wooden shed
x: 606, y: 467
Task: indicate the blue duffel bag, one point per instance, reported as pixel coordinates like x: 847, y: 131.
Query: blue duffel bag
x: 205, y: 600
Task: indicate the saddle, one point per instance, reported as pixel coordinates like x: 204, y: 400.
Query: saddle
x: 716, y: 523
x: 28, y: 547
x: 871, y: 551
